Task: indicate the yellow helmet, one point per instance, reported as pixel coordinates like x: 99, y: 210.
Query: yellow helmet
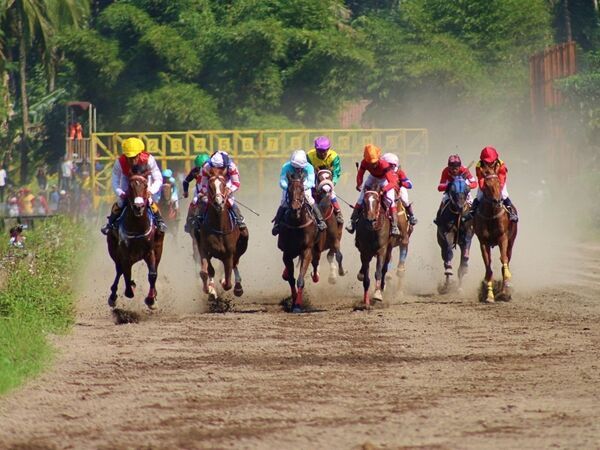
x: 132, y: 147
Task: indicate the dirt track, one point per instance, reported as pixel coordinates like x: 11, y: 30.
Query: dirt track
x: 431, y: 371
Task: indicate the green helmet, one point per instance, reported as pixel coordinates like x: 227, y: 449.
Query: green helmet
x: 201, y: 159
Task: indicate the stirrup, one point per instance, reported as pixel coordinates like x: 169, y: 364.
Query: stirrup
x: 161, y: 225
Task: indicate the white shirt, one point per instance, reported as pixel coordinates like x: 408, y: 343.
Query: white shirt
x: 120, y: 182
x: 2, y: 177
x: 67, y: 168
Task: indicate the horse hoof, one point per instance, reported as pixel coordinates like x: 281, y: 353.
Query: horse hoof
x: 296, y: 310
x: 360, y: 276
x: 133, y: 285
x: 342, y: 272
x: 332, y: 280
x: 225, y: 286
x: 238, y: 291
x: 150, y: 302
x: 112, y: 301
x: 401, y: 269
x: 378, y: 296
x: 129, y: 293
x: 315, y: 277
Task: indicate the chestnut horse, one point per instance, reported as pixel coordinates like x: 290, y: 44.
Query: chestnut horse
x: 453, y: 231
x: 170, y: 212
x: 297, y: 236
x: 492, y: 228
x: 331, y: 237
x: 137, y: 238
x: 401, y: 241
x: 372, y: 240
x: 218, y: 236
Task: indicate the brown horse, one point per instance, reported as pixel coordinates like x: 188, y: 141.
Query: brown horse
x: 137, y: 238
x: 219, y: 237
x: 297, y: 238
x: 373, y: 240
x: 493, y: 227
x: 331, y: 237
x: 402, y: 240
x: 169, y: 209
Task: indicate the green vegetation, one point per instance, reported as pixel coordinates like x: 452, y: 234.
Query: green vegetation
x: 36, y: 296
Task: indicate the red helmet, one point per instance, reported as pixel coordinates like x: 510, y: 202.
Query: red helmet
x: 488, y: 155
x: 454, y: 161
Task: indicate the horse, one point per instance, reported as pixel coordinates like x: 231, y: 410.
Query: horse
x: 401, y: 241
x: 493, y: 227
x: 452, y: 231
x: 168, y: 207
x: 137, y: 238
x: 331, y: 237
x: 373, y: 240
x: 297, y: 236
x: 218, y: 236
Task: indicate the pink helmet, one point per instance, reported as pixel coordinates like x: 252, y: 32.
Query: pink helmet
x: 454, y: 161
x: 322, y: 144
x: 488, y: 155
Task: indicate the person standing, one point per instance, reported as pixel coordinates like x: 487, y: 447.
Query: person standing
x: 2, y: 183
x: 42, y: 178
x: 66, y: 170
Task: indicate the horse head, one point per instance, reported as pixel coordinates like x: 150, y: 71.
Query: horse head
x: 217, y: 189
x: 166, y: 192
x: 295, y: 193
x: 372, y: 205
x: 492, y: 191
x: 458, y: 191
x: 324, y: 183
x: 137, y: 194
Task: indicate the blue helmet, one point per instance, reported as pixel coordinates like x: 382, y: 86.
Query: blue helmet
x: 167, y: 173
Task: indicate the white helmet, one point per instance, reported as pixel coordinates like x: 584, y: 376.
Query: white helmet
x: 298, y: 159
x: 219, y: 159
x: 391, y: 159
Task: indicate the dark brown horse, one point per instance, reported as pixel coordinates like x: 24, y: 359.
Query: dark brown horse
x: 373, y: 240
x: 493, y: 227
x: 331, y: 237
x: 219, y: 237
x: 136, y: 239
x: 297, y: 238
x: 168, y: 208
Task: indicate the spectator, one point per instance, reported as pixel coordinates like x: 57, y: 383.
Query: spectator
x: 13, y: 206
x: 2, y: 183
x: 64, y: 202
x: 42, y: 178
x: 66, y: 171
x: 54, y: 199
x: 75, y: 130
x: 40, y: 205
x: 26, y: 202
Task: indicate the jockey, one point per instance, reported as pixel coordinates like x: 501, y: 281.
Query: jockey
x: 323, y: 158
x: 403, y: 185
x: 489, y: 158
x: 298, y: 164
x: 168, y: 178
x: 221, y: 160
x: 134, y: 157
x: 380, y: 174
x: 195, y: 174
x: 454, y: 169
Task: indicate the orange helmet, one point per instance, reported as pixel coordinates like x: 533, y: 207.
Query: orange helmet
x: 372, y: 153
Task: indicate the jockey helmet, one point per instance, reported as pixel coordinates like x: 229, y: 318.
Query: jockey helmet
x: 454, y: 161
x: 372, y: 153
x: 219, y: 159
x: 298, y: 159
x: 488, y: 155
x: 392, y: 159
x: 322, y: 144
x: 167, y: 173
x: 133, y: 146
x: 201, y: 159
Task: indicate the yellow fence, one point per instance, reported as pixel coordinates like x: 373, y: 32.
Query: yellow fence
x: 177, y: 150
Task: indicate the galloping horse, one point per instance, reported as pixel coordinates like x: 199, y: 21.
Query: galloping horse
x: 137, y: 238
x: 170, y: 212
x: 451, y: 230
x: 372, y: 239
x: 219, y: 237
x: 331, y: 237
x: 401, y: 241
x: 493, y: 227
x: 297, y: 237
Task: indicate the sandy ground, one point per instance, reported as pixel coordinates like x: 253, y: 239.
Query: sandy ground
x: 429, y: 371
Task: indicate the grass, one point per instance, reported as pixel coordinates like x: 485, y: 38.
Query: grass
x: 36, y: 296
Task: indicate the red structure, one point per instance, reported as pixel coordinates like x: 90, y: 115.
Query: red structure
x: 352, y: 114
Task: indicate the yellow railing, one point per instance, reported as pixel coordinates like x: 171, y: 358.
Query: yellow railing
x: 178, y: 149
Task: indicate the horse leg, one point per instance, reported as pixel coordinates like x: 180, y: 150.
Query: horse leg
x: 204, y: 273
x: 150, y: 299
x: 227, y: 267
x: 464, y: 262
x: 364, y: 272
x: 112, y: 298
x: 238, y: 290
x: 332, y: 269
x: 339, y: 258
x: 380, y: 261
x: 316, y: 257
x: 402, y: 260
x: 305, y: 258
x: 489, y: 282
x: 289, y: 277
x: 506, y: 275
x: 129, y: 284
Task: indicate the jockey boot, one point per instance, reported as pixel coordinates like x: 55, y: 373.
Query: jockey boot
x: 353, y: 219
x: 512, y: 213
x: 239, y: 219
x: 395, y: 230
x: 321, y: 225
x: 115, y: 212
x: 160, y: 223
x: 411, y: 215
x: 471, y: 213
x: 277, y: 219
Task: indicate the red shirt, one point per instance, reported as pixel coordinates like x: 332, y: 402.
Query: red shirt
x: 382, y: 170
x: 502, y: 173
x: 126, y: 168
x: 447, y: 177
